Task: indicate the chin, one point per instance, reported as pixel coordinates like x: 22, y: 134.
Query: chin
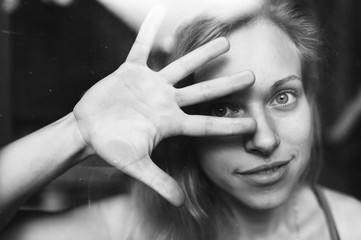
x: 272, y: 196
x: 267, y: 202
x: 267, y: 198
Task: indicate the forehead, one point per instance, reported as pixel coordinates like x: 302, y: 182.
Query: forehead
x: 261, y: 47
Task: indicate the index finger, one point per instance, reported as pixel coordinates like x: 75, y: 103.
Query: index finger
x: 143, y: 43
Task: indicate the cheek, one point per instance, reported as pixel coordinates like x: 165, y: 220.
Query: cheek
x: 209, y: 155
x: 296, y: 130
x: 214, y: 157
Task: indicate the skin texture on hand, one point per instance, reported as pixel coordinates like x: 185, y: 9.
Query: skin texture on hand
x: 124, y: 116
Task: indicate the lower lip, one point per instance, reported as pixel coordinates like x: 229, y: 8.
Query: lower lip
x: 268, y: 177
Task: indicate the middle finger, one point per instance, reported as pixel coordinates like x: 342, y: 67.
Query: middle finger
x: 187, y: 64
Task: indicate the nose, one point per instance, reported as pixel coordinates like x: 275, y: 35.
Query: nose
x: 265, y: 139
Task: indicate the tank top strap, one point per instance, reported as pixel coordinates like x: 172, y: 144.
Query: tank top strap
x: 327, y: 211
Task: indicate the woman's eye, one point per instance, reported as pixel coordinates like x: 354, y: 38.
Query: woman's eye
x: 221, y: 110
x: 284, y: 99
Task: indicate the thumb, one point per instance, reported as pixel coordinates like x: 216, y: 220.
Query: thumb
x: 146, y: 171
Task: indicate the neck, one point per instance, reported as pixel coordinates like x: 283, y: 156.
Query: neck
x: 265, y: 223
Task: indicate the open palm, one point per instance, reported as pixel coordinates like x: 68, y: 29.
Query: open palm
x: 125, y: 115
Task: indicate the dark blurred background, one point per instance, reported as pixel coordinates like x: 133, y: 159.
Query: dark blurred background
x: 50, y: 54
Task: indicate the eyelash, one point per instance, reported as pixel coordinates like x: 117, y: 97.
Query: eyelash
x: 231, y: 111
x: 287, y: 92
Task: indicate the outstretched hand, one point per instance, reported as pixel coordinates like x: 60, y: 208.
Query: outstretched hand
x: 125, y: 115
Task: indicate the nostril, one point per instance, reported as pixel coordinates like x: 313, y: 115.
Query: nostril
x: 262, y: 144
x: 265, y: 139
x: 259, y: 151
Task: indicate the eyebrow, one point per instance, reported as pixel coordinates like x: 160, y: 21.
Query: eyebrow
x: 274, y: 87
x: 283, y: 81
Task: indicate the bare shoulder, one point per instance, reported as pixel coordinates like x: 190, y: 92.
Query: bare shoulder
x: 121, y: 217
x: 347, y: 213
x: 85, y: 222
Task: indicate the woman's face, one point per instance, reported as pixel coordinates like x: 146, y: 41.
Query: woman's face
x: 261, y: 169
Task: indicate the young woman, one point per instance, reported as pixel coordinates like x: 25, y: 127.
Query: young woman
x: 246, y: 170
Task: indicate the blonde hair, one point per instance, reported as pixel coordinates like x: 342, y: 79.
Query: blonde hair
x: 204, y: 216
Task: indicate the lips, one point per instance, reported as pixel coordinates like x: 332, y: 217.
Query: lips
x: 266, y: 168
x: 266, y: 174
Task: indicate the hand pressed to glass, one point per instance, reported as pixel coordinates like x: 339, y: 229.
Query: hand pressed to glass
x: 125, y: 115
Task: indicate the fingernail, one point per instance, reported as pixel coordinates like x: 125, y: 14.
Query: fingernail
x: 246, y: 76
